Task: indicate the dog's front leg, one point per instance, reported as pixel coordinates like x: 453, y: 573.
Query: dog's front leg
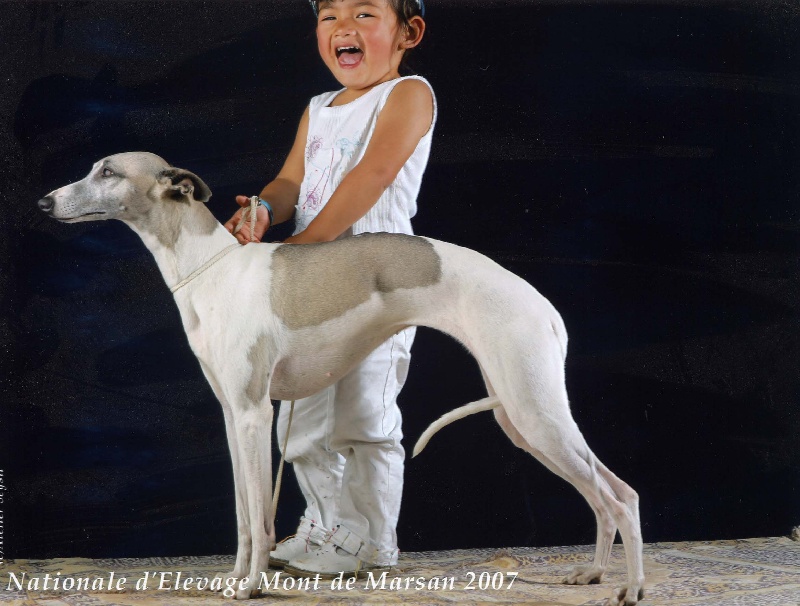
x: 253, y: 424
x: 244, y: 542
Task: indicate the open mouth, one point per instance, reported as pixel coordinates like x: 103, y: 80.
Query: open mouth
x: 349, y: 56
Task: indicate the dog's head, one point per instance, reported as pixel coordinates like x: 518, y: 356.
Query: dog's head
x: 124, y: 186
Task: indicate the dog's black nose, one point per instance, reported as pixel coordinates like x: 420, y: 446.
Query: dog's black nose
x: 46, y: 204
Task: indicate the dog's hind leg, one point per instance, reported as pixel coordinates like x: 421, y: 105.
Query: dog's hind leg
x: 606, y: 528
x: 559, y: 441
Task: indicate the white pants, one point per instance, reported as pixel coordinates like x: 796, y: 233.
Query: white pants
x: 345, y: 448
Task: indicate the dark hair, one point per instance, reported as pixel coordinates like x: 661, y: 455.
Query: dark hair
x: 403, y: 9
x: 406, y: 9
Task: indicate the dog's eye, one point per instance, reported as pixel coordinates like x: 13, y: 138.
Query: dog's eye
x: 107, y: 172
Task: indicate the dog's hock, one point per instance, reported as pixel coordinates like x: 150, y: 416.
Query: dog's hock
x: 184, y: 183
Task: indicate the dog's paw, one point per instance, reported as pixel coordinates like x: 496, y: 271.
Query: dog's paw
x: 627, y: 595
x: 245, y: 593
x: 220, y: 580
x: 584, y: 575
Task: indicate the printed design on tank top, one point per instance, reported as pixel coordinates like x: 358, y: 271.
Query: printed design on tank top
x: 321, y: 159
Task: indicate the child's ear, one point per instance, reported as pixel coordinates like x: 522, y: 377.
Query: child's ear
x: 413, y: 32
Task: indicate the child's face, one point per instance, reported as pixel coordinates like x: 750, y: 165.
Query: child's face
x: 360, y: 41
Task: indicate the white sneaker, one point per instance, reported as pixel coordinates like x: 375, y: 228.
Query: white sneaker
x: 289, y: 549
x: 328, y: 561
x: 309, y: 536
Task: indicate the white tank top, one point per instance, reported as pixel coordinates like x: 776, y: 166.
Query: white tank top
x: 337, y: 139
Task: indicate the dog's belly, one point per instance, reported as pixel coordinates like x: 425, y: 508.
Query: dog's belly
x: 295, y: 379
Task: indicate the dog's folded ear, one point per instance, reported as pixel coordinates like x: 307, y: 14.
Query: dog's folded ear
x: 183, y: 183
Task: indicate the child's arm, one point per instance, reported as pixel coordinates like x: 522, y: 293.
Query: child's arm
x: 403, y: 121
x: 282, y: 192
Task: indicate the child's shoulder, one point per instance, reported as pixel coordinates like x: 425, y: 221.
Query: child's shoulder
x: 416, y: 84
x: 412, y: 96
x: 410, y: 92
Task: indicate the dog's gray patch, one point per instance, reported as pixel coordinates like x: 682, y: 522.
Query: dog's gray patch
x: 170, y: 219
x: 203, y: 222
x: 313, y: 283
x: 150, y: 203
x: 258, y: 384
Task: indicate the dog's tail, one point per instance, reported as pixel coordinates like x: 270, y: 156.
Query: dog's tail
x: 454, y: 415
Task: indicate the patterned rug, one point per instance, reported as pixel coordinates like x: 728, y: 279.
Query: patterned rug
x: 750, y: 572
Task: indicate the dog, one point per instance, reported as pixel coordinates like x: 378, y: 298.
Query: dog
x: 281, y: 321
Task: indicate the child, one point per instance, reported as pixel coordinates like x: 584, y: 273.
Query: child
x: 355, y: 166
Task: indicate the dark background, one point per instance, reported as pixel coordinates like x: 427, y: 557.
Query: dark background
x: 636, y: 161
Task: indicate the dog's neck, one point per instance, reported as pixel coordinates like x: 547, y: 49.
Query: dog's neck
x: 182, y: 236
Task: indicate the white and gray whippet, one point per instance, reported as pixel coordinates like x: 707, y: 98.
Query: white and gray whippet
x: 314, y: 311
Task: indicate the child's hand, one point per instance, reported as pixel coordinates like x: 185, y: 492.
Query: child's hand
x: 243, y: 235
